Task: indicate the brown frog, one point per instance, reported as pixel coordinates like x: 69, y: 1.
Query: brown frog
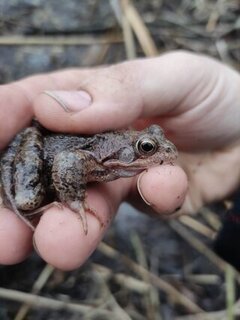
x: 39, y: 166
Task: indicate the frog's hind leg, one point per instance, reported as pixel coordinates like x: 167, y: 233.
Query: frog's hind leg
x: 6, y: 173
x: 21, y: 151
x: 28, y: 177
x: 11, y: 203
x: 69, y: 172
x: 75, y: 205
x: 22, y: 217
x: 57, y: 204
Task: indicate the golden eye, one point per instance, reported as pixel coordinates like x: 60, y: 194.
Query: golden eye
x: 146, y: 146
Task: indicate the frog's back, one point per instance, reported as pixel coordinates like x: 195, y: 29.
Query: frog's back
x: 56, y: 143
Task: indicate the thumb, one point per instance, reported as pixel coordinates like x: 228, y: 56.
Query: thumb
x: 115, y: 96
x: 101, y: 99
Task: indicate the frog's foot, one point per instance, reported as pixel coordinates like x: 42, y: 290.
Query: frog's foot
x: 16, y: 211
x: 81, y: 208
x: 22, y: 217
x: 93, y: 213
x: 57, y: 204
x: 26, y: 221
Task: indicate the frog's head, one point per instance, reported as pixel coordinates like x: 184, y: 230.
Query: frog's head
x: 145, y: 149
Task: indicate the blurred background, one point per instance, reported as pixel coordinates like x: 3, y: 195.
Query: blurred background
x: 144, y: 268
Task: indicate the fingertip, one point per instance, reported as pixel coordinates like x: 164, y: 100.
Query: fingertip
x: 60, y: 239
x: 62, y: 111
x: 107, y: 100
x: 60, y: 115
x: 15, y: 238
x: 164, y: 188
x: 51, y: 114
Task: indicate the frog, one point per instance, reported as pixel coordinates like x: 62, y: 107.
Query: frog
x: 40, y: 168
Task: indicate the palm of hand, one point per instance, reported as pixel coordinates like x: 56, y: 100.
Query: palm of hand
x: 212, y: 175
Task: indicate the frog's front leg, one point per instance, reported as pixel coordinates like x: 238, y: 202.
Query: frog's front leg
x: 70, y: 173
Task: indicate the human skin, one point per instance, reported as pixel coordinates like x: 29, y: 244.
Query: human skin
x: 194, y: 98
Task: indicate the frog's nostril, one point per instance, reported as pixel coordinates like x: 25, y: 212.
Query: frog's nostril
x: 168, y: 149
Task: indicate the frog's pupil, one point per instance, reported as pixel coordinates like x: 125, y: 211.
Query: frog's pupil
x: 147, y: 146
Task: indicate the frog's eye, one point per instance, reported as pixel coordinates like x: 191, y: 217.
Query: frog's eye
x: 146, y: 146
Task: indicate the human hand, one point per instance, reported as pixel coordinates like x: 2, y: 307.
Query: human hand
x: 194, y: 98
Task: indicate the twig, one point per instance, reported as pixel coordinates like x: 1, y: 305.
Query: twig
x: 108, y: 297
x: 151, y: 300
x: 59, y: 40
x: 230, y: 292
x: 197, y: 226
x: 37, y: 287
x: 141, y: 31
x: 215, y: 315
x: 198, y: 245
x: 172, y: 293
x: 38, y: 301
x: 118, y: 7
x: 211, y: 218
x: 203, y: 279
x: 127, y: 33
x: 123, y: 280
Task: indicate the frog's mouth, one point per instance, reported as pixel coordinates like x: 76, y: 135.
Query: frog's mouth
x: 123, y: 169
x: 138, y: 165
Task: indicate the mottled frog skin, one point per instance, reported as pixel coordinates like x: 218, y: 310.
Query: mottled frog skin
x: 39, y: 166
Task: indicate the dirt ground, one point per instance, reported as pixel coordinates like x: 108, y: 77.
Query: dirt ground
x: 170, y: 272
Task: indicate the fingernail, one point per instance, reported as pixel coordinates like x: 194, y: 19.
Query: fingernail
x: 71, y: 101
x: 139, y: 188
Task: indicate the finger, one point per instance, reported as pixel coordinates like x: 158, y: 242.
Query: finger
x: 162, y: 188
x: 16, y: 109
x: 15, y: 112
x: 101, y: 103
x: 59, y: 237
x: 15, y: 238
x: 128, y: 91
x: 119, y: 95
x: 175, y: 90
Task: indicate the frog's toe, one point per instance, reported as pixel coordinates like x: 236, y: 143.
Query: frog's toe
x: 25, y: 220
x: 80, y: 208
x: 57, y: 204
x: 93, y: 213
